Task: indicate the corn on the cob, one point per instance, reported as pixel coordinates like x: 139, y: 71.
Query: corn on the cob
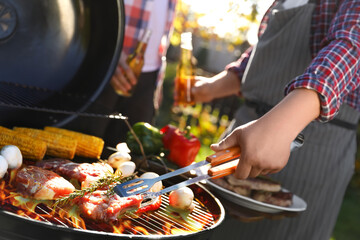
x: 58, y: 145
x: 30, y: 148
x: 87, y: 145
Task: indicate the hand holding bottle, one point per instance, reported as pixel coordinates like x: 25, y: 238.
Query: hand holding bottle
x: 124, y: 78
x: 129, y: 68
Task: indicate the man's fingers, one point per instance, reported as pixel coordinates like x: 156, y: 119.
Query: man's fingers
x: 242, y: 170
x: 265, y: 172
x: 120, y: 81
x: 255, y: 172
x: 130, y: 75
x: 227, y: 142
x: 115, y: 83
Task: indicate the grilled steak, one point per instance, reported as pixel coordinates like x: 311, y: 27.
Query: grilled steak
x: 85, y: 173
x: 41, y: 184
x: 283, y: 199
x: 258, y: 183
x: 100, y: 207
x: 262, y: 189
x: 242, y: 190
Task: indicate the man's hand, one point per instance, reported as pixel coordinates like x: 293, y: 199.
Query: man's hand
x: 265, y: 143
x: 124, y: 78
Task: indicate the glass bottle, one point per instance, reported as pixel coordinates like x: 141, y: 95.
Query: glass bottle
x: 136, y: 59
x: 185, y: 73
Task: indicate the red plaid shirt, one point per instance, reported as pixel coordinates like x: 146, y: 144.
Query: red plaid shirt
x: 335, y: 46
x: 137, y: 15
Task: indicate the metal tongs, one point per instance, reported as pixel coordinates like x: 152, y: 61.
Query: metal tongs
x: 221, y: 163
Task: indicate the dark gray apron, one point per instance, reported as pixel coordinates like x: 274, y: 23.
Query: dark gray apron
x: 320, y: 171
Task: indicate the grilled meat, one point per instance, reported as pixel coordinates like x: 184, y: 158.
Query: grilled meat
x: 41, y: 184
x: 100, y: 207
x: 242, y: 190
x: 262, y: 189
x: 86, y: 173
x: 283, y: 199
x: 258, y: 183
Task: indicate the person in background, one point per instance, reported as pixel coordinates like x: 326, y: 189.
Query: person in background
x: 303, y: 75
x: 156, y: 15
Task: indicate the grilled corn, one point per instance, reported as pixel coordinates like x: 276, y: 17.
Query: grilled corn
x: 58, y: 145
x: 87, y: 145
x: 30, y: 148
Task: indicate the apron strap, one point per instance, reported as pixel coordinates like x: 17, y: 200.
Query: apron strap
x: 262, y: 108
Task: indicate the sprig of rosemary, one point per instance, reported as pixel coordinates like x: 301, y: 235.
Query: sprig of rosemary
x: 108, y: 180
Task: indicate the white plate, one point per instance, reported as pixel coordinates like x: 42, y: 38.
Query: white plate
x: 298, y: 204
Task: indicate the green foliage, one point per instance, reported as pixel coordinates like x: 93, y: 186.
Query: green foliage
x: 347, y: 225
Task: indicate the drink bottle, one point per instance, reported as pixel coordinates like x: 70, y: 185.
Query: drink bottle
x: 136, y: 59
x: 185, y: 73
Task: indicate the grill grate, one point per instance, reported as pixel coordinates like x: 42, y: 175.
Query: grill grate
x: 151, y: 223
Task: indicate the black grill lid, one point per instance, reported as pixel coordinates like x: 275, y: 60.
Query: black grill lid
x: 58, y: 54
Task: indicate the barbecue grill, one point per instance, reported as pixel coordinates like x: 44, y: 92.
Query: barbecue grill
x: 56, y: 56
x: 39, y: 221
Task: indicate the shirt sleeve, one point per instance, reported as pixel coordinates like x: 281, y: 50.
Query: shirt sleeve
x: 239, y: 66
x: 334, y: 72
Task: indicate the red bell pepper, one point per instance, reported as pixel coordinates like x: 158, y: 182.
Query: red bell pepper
x: 167, y: 133
x: 151, y: 207
x: 182, y: 145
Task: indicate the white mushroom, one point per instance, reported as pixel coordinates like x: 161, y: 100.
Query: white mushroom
x: 13, y: 156
x: 158, y: 185
x: 182, y: 198
x: 127, y: 168
x: 123, y: 147
x: 117, y: 158
x: 3, y: 166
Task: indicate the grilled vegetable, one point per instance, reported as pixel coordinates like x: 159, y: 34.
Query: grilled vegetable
x: 13, y: 156
x: 3, y: 166
x: 149, y: 136
x: 126, y: 168
x: 87, y: 145
x: 30, y: 148
x: 182, y: 198
x: 117, y: 158
x: 157, y: 186
x: 183, y: 145
x: 58, y: 145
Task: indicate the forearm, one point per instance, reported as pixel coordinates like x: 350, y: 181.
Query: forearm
x: 225, y: 84
x: 221, y: 85
x: 293, y: 113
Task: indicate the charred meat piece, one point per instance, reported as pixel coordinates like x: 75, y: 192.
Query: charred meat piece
x: 223, y: 183
x: 41, y: 184
x: 283, y: 199
x: 258, y: 183
x: 85, y: 173
x: 242, y: 190
x: 103, y: 208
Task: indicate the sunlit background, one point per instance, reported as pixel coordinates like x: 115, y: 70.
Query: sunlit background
x: 226, y: 17
x: 233, y: 21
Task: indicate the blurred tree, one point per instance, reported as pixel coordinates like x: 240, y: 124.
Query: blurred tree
x: 186, y: 19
